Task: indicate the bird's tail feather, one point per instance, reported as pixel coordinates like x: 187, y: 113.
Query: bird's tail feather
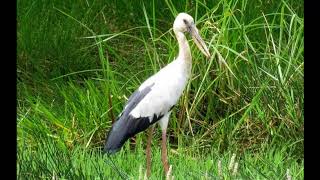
x: 116, y: 137
x: 122, y: 130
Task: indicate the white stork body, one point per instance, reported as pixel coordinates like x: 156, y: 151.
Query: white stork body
x: 169, y: 84
x: 153, y: 101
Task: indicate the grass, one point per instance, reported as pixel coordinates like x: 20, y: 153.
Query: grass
x: 77, y: 64
x: 53, y: 162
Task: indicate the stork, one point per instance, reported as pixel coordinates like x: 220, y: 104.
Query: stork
x: 153, y: 101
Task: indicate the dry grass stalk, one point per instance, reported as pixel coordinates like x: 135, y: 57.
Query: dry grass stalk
x: 140, y: 172
x: 219, y: 169
x: 145, y: 176
x: 232, y: 161
x: 206, y: 176
x: 169, y: 173
x: 235, y: 169
x: 54, y: 175
x: 288, y: 175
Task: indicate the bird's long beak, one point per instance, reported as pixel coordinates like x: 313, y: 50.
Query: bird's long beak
x: 198, y: 40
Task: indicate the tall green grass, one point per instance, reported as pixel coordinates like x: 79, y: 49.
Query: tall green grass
x: 79, y: 62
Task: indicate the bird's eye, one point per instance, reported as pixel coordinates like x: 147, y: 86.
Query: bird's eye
x: 185, y: 21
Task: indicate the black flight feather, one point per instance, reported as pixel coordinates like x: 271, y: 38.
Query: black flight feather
x: 126, y: 125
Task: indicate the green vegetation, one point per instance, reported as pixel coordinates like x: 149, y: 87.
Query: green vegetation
x: 78, y: 62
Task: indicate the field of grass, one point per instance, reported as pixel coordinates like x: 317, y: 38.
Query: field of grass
x: 79, y: 61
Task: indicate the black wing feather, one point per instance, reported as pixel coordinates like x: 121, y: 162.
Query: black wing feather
x: 126, y: 125
x: 136, y: 98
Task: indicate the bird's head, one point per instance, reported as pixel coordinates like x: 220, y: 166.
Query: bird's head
x: 185, y: 23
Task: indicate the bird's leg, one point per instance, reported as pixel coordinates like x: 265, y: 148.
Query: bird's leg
x: 148, y: 150
x: 164, y: 156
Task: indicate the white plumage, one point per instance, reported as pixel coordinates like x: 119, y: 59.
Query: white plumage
x: 169, y: 84
x: 153, y: 100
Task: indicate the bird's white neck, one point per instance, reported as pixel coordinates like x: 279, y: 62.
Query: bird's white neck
x: 184, y: 49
